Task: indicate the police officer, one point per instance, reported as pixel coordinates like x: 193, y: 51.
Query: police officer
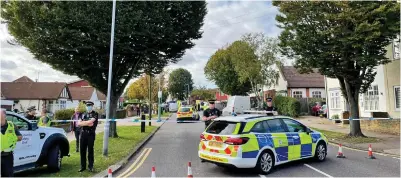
x: 210, y: 113
x: 44, y: 120
x: 270, y: 106
x: 88, y: 125
x: 9, y: 137
x: 31, y: 113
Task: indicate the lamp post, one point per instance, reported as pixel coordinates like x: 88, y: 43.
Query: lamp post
x: 159, y: 96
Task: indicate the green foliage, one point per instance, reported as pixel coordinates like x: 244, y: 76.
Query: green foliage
x: 82, y: 107
x: 221, y: 70
x: 140, y: 88
x: 345, y: 40
x: 312, y: 102
x: 287, y: 105
x: 76, y: 35
x: 178, y: 82
x: 335, y: 116
x: 203, y: 93
x: 64, y: 114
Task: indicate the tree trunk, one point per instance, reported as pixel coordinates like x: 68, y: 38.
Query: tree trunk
x: 352, y: 99
x: 113, y: 110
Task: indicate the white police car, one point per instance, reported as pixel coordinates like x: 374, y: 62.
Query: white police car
x: 39, y: 145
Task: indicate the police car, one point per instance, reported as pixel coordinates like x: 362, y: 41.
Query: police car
x: 259, y: 141
x: 39, y: 145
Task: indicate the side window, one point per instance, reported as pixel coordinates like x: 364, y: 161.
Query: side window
x: 294, y: 126
x: 275, y: 126
x: 18, y: 122
x: 259, y: 128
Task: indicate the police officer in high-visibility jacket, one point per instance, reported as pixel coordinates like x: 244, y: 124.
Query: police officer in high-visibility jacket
x: 44, y: 120
x: 9, y: 137
x: 88, y: 125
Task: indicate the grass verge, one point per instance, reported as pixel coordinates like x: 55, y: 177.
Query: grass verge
x: 119, y: 148
x: 341, y: 137
x: 165, y: 114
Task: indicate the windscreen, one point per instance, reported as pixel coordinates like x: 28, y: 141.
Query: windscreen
x: 222, y: 127
x: 185, y: 109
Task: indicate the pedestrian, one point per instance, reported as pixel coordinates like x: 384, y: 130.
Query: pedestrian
x: 9, y: 138
x: 77, y: 116
x: 31, y: 113
x: 270, y: 106
x: 88, y: 125
x: 44, y: 120
x: 210, y: 113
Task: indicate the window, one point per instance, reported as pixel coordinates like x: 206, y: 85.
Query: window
x: 275, y: 126
x: 371, y: 99
x: 259, y: 128
x: 297, y: 94
x: 63, y: 104
x: 396, y: 48
x: 222, y: 127
x: 397, y: 97
x: 185, y: 109
x: 18, y: 122
x: 294, y: 126
x: 335, y: 99
x: 316, y: 94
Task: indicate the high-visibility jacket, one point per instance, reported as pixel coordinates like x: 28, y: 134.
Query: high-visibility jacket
x: 9, y: 139
x: 41, y: 124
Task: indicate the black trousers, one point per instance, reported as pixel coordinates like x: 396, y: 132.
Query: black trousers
x: 87, y: 140
x: 7, y: 165
x: 77, y: 132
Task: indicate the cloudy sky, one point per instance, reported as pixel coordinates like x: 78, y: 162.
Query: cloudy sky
x: 224, y: 23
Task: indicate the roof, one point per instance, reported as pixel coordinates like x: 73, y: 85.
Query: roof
x: 75, y: 81
x: 81, y: 93
x: 296, y: 80
x: 32, y: 90
x: 100, y: 95
x: 23, y: 79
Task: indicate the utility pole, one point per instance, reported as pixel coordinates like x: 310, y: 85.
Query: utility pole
x: 150, y: 99
x: 159, y: 96
x: 108, y: 109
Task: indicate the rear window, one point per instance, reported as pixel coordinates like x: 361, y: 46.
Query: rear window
x: 184, y: 109
x: 222, y: 127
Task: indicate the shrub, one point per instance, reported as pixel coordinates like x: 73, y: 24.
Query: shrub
x: 287, y: 105
x: 64, y: 114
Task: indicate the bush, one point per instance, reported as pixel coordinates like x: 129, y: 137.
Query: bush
x: 287, y: 105
x: 64, y: 114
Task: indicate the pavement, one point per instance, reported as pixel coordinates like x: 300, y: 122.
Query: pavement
x: 388, y: 143
x: 176, y: 144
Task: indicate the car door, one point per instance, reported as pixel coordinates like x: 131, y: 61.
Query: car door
x: 302, y: 141
x: 280, y: 140
x: 26, y: 150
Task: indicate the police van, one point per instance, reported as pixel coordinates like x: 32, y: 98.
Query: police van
x: 259, y: 141
x: 39, y: 145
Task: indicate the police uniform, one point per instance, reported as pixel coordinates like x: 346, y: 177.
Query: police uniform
x: 87, y: 138
x: 28, y: 115
x: 270, y: 108
x: 44, y: 121
x: 9, y: 138
x: 210, y: 112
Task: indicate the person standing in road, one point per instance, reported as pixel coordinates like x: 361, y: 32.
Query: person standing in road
x: 74, y: 126
x: 9, y: 138
x: 31, y: 113
x: 270, y: 106
x: 88, y: 125
x: 210, y: 113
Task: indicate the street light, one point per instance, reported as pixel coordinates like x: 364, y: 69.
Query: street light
x: 187, y: 92
x: 159, y: 96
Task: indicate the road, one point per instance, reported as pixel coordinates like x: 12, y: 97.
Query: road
x: 175, y: 144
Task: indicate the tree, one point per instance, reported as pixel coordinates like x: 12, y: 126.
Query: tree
x: 344, y: 40
x: 73, y: 37
x: 203, y: 93
x: 221, y: 70
x: 140, y: 88
x: 178, y: 82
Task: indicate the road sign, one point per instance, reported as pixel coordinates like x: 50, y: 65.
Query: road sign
x: 159, y: 94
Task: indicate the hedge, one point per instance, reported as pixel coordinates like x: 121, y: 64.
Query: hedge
x: 287, y: 105
x: 64, y: 114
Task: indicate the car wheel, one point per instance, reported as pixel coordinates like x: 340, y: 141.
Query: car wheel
x: 320, y: 152
x: 54, y: 158
x: 265, y: 162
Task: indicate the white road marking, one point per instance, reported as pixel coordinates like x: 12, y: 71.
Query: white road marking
x: 262, y: 176
x: 353, y: 149
x: 317, y: 170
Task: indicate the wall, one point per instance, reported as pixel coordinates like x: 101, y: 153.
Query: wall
x: 391, y: 79
x: 282, y: 84
x: 333, y: 86
x: 379, y: 81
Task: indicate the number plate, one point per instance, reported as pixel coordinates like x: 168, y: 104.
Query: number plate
x: 215, y: 144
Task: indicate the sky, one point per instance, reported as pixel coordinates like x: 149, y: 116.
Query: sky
x: 225, y: 22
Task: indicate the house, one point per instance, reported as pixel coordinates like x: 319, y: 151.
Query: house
x: 24, y: 93
x: 297, y: 85
x: 219, y: 95
x: 382, y: 96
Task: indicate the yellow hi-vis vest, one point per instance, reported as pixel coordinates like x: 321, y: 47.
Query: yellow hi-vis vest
x: 41, y: 124
x: 9, y: 139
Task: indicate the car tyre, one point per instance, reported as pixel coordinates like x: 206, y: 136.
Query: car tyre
x: 265, y: 162
x: 54, y: 159
x: 320, y: 152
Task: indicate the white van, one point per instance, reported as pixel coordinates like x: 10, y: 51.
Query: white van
x: 237, y: 104
x: 172, y: 107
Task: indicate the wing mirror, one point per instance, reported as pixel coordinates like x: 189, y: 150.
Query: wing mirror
x: 308, y: 130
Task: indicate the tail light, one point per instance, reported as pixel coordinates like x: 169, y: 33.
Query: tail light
x: 202, y: 137
x: 178, y: 113
x: 236, y: 141
x: 190, y: 112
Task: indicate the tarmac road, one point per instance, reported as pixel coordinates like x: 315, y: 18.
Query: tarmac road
x: 175, y: 144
